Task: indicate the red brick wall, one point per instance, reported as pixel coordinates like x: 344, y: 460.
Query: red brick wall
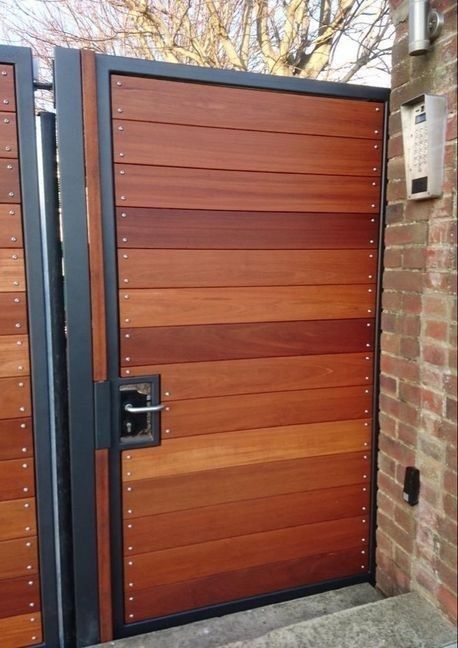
x: 417, y: 545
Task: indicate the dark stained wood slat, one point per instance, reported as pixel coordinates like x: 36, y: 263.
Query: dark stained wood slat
x: 14, y: 357
x: 200, y: 379
x: 153, y: 186
x: 10, y: 226
x: 21, y: 630
x: 218, y: 148
x: 200, y: 560
x: 18, y: 558
x: 190, y: 268
x: 249, y: 411
x: 102, y: 476
x: 259, y: 445
x: 222, y: 587
x: 250, y: 340
x: 15, y: 398
x: 211, y: 487
x: 203, y: 524
x: 18, y: 520
x: 13, y: 314
x: 12, y: 272
x: 188, y: 306
x: 8, y: 134
x: 19, y: 596
x: 181, y: 229
x: 9, y: 181
x: 16, y: 479
x: 16, y: 438
x: 177, y: 102
x: 7, y: 88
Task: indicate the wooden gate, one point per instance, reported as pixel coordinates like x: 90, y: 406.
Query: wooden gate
x: 28, y: 600
x: 226, y: 314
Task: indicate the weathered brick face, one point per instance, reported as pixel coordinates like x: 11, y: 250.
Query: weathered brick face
x: 417, y: 546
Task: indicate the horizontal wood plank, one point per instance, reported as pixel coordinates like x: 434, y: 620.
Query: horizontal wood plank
x: 231, y: 554
x: 234, y: 585
x: 148, y: 186
x: 184, y: 229
x: 187, y: 306
x: 18, y: 519
x: 18, y: 558
x: 15, y: 399
x: 211, y: 487
x: 218, y: 148
x: 174, y: 344
x: 176, y: 102
x: 201, y: 379
x: 203, y: 524
x: 10, y: 226
x: 14, y: 354
x: 8, y: 134
x: 16, y: 438
x: 19, y: 596
x: 13, y: 315
x: 213, y: 268
x: 12, y: 271
x: 9, y: 181
x: 16, y: 479
x: 243, y: 447
x: 7, y: 88
x: 21, y: 630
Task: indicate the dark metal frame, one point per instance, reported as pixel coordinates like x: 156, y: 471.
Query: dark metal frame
x: 21, y: 59
x: 69, y: 105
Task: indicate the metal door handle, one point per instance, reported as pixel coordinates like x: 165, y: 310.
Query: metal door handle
x: 142, y: 410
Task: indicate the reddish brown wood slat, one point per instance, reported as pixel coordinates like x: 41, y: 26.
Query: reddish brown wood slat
x: 173, y: 344
x: 178, y: 102
x: 141, y: 268
x: 200, y: 379
x: 9, y: 181
x: 200, y: 560
x: 241, y: 518
x: 182, y: 229
x: 188, y: 306
x: 210, y: 487
x: 19, y: 596
x: 16, y: 438
x: 16, y: 480
x: 13, y: 315
x: 10, y: 226
x: 8, y: 134
x: 21, y: 630
x: 218, y: 148
x: 15, y: 397
x: 148, y: 186
x: 12, y: 271
x: 18, y: 558
x: 17, y: 519
x: 7, y: 88
x: 102, y: 477
x: 14, y: 352
x: 222, y: 587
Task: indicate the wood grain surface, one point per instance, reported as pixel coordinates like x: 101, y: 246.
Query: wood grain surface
x: 7, y: 88
x: 12, y: 271
x: 15, y: 399
x: 199, y: 104
x: 141, y: 268
x: 19, y: 596
x: 16, y: 438
x: 14, y: 357
x: 171, y: 344
x: 148, y: 186
x: 9, y: 181
x: 203, y: 524
x: 18, y: 520
x: 16, y: 480
x: 21, y: 630
x: 13, y: 316
x: 237, y: 150
x: 210, y: 487
x: 18, y: 558
x: 199, y: 229
x: 175, y: 306
x: 8, y: 134
x: 10, y: 226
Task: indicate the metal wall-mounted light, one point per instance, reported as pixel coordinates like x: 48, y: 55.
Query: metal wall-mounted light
x: 425, y: 25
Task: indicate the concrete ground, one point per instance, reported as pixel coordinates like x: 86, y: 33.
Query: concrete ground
x: 352, y: 617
